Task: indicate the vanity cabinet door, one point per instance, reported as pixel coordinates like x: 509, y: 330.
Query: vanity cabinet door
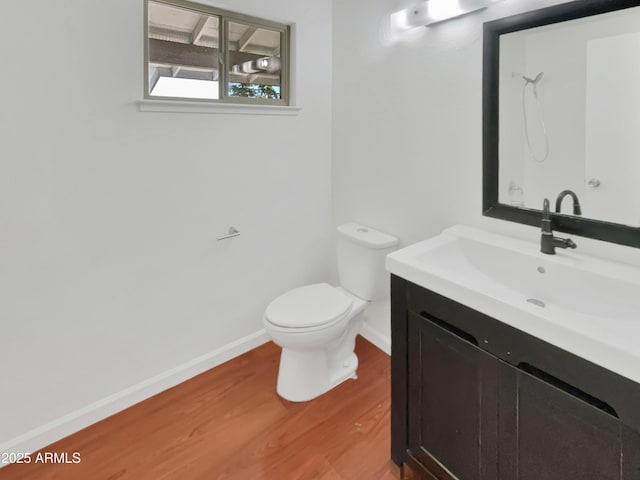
x: 452, y: 408
x: 549, y: 430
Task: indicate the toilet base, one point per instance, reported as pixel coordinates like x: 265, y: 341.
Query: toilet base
x: 306, y: 375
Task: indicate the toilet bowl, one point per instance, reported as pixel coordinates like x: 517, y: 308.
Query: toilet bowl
x: 316, y: 325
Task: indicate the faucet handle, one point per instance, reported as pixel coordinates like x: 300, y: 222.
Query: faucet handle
x: 558, y: 242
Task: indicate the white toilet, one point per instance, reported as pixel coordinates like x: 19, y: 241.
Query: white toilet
x: 316, y: 325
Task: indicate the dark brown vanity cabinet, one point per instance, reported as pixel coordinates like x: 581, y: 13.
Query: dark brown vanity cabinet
x: 475, y: 399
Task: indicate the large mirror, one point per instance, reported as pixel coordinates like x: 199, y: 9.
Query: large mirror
x: 562, y: 118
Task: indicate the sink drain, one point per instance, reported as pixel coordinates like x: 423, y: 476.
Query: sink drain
x: 537, y: 302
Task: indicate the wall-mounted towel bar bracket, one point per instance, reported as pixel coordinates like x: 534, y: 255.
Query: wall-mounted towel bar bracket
x: 232, y: 233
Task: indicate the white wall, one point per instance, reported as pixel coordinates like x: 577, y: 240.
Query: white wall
x: 407, y: 123
x: 110, y: 273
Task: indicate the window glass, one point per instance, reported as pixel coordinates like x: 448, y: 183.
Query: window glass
x: 255, y: 66
x: 183, y: 52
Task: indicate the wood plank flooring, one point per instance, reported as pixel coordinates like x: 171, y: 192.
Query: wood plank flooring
x: 229, y: 423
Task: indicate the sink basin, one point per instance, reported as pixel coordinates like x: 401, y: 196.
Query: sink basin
x: 586, y: 305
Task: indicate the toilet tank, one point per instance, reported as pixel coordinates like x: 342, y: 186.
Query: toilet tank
x: 361, y: 260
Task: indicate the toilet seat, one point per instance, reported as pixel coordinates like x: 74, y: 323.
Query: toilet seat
x: 308, y: 307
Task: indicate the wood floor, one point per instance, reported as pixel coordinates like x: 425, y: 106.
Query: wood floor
x: 229, y: 423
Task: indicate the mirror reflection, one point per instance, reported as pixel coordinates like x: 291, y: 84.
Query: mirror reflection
x: 569, y: 114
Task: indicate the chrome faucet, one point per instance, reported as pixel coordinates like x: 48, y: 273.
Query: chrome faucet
x: 576, y: 204
x: 548, y: 242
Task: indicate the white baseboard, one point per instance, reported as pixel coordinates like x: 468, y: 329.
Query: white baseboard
x: 380, y: 340
x: 59, y: 428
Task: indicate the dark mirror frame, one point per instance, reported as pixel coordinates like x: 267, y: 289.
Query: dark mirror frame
x: 596, y: 229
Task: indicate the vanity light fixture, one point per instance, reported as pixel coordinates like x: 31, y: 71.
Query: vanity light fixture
x: 435, y: 11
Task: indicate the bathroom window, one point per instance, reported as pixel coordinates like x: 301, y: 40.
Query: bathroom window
x: 201, y: 53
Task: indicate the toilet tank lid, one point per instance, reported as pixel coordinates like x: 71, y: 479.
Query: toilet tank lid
x: 367, y: 236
